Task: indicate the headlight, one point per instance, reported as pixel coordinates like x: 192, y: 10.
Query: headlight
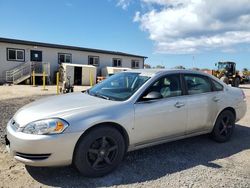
x: 46, y: 126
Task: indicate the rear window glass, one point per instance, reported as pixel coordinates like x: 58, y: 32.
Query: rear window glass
x: 197, y: 84
x: 217, y: 86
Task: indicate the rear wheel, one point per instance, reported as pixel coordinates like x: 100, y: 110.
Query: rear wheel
x: 99, y: 152
x: 224, y: 126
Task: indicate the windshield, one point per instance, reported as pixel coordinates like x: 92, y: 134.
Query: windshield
x: 120, y: 86
x: 223, y: 66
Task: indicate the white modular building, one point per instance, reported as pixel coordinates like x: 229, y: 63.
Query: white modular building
x: 20, y: 58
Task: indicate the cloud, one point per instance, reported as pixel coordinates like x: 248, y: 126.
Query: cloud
x: 123, y: 4
x: 189, y: 26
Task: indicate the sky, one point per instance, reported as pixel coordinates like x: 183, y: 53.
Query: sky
x: 192, y: 33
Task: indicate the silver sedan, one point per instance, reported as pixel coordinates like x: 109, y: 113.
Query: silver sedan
x: 130, y: 110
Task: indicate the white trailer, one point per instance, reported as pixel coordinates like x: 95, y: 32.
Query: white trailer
x: 76, y: 74
x: 109, y: 71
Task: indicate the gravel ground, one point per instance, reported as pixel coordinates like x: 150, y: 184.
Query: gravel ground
x: 193, y: 162
x: 13, y: 91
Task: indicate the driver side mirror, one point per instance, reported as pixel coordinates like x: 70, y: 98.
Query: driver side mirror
x: 152, y: 95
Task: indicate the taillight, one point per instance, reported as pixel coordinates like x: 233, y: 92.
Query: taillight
x: 243, y: 95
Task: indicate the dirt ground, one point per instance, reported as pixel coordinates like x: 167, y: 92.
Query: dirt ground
x: 19, y: 91
x: 192, y: 162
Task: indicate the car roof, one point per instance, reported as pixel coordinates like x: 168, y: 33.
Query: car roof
x: 153, y: 72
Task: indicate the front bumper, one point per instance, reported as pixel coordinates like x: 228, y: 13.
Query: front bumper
x: 41, y: 150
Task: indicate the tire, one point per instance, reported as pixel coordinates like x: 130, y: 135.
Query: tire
x: 224, y: 79
x: 99, y: 152
x: 236, y: 82
x: 224, y: 126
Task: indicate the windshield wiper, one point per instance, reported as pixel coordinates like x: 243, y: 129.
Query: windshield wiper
x: 101, y: 96
x: 85, y: 91
x: 97, y: 95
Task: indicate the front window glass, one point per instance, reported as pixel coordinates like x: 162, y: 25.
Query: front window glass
x: 120, y: 86
x: 221, y: 66
x: 224, y: 66
x: 168, y: 86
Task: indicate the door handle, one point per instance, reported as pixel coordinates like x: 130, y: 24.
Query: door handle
x: 216, y: 99
x: 179, y: 105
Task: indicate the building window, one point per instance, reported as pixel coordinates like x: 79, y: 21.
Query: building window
x: 94, y: 60
x: 117, y: 62
x: 36, y: 56
x: 64, y: 58
x: 15, y: 54
x: 135, y: 64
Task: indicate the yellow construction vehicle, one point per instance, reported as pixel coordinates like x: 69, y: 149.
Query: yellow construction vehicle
x: 226, y: 71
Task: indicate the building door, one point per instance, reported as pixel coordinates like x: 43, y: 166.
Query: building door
x: 78, y: 76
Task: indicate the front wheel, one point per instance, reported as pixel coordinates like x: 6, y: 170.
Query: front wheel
x: 99, y: 152
x: 236, y: 82
x: 224, y: 126
x: 225, y: 79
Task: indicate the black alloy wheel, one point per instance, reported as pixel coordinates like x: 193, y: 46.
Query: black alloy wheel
x: 102, y: 152
x: 99, y: 152
x: 224, y: 126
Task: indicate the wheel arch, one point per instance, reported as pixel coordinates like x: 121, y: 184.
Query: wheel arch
x: 116, y: 126
x: 224, y: 109
x: 216, y: 133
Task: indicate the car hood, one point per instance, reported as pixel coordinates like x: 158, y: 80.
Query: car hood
x: 58, y: 106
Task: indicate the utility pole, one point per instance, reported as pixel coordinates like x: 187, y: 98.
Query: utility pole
x: 193, y: 62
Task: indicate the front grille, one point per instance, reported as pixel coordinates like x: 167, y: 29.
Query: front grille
x: 33, y: 156
x: 15, y: 126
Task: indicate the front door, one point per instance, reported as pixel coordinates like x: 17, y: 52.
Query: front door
x: 163, y: 118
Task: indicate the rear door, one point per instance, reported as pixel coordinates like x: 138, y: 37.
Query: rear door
x: 201, y: 103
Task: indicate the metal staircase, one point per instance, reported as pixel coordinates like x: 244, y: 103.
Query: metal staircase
x: 24, y: 71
